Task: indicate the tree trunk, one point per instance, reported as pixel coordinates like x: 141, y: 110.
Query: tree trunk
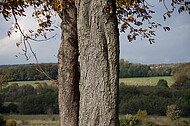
x: 98, y: 38
x: 68, y: 74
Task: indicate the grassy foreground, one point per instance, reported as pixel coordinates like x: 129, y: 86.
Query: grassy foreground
x: 144, y: 81
x: 53, y: 120
x: 34, y: 120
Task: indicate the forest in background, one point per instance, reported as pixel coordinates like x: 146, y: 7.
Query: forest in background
x: 127, y: 70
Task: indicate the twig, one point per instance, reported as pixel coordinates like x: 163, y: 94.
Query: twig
x: 30, y: 47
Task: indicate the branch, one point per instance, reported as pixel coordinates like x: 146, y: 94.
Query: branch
x: 30, y: 47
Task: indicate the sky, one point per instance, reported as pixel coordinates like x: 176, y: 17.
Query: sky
x: 169, y: 47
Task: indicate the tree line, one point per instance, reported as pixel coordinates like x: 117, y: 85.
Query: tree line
x: 29, y: 72
x: 127, y: 69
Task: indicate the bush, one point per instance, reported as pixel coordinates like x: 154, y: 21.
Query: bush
x: 162, y: 83
x: 2, y: 121
x: 142, y: 114
x: 173, y: 113
x: 11, y: 122
x: 136, y: 121
x: 13, y: 108
x: 36, y: 82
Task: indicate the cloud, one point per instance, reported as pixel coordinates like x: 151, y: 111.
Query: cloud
x: 46, y: 51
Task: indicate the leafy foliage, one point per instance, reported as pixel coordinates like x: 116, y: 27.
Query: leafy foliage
x: 28, y: 100
x: 3, y: 81
x: 29, y: 72
x: 11, y: 122
x: 132, y: 14
x: 140, y: 119
x: 162, y: 83
x: 173, y: 113
x: 153, y: 99
x: 128, y: 69
x: 2, y: 121
x: 182, y: 76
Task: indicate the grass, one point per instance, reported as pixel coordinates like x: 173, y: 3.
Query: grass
x: 20, y: 83
x: 139, y: 81
x: 160, y: 120
x: 35, y: 120
x: 38, y: 120
x: 144, y: 81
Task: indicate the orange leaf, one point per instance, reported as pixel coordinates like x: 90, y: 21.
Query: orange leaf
x: 134, y: 3
x: 17, y: 44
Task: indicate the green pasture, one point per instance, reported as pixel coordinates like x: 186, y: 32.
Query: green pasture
x: 144, y: 81
x: 20, y: 83
x: 36, y: 120
x: 140, y: 81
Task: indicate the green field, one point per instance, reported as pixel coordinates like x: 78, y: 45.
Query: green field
x: 141, y: 81
x: 144, y: 81
x: 36, y: 120
x: 20, y: 83
x: 53, y: 120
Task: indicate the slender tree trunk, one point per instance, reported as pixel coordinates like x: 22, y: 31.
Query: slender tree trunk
x: 68, y: 74
x: 98, y: 37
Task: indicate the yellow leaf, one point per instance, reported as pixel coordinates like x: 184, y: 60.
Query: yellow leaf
x: 17, y: 44
x: 134, y: 3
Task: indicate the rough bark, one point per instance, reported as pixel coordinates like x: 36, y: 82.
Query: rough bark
x: 68, y: 74
x: 98, y: 38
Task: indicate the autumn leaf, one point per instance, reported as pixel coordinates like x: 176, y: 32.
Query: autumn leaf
x: 134, y: 3
x: 17, y: 44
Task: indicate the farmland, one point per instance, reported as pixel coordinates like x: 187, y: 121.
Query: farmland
x: 146, y: 81
x: 49, y: 120
x: 138, y: 81
x: 33, y: 83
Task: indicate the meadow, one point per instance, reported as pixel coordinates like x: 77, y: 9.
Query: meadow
x: 33, y: 83
x: 139, y: 81
x: 146, y: 81
x: 34, y: 120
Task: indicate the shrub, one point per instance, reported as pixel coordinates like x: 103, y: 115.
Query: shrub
x: 173, y: 112
x: 11, y: 122
x: 142, y: 114
x: 36, y: 82
x: 15, y: 84
x: 2, y: 121
x: 13, y: 108
x: 162, y: 83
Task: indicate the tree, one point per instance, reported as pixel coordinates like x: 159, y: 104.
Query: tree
x: 68, y: 74
x: 3, y: 81
x: 162, y: 83
x: 98, y: 38
x: 97, y: 31
x: 173, y: 113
